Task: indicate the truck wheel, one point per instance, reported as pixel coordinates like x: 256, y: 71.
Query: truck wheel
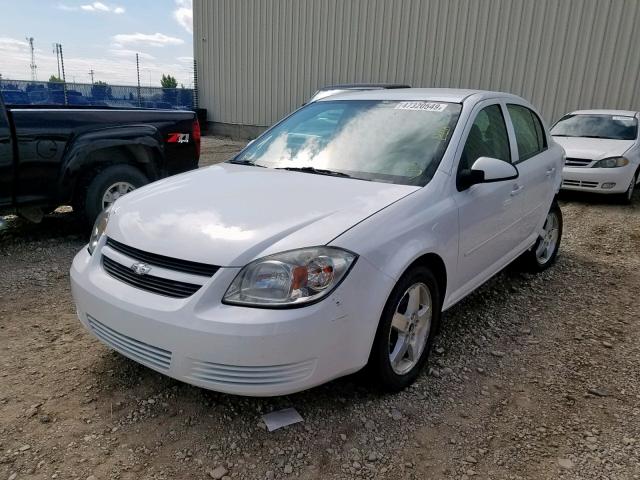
x: 408, y: 324
x: 105, y: 188
x: 544, y: 252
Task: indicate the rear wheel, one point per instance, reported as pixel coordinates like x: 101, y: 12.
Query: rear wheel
x: 544, y: 252
x: 105, y: 188
x: 406, y: 330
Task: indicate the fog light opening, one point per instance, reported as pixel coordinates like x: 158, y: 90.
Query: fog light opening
x: 608, y: 186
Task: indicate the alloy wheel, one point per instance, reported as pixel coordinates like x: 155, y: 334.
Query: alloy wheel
x: 631, y: 188
x: 116, y: 191
x: 549, y: 238
x: 410, y: 328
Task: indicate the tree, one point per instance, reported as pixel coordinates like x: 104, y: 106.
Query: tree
x: 167, y: 81
x: 100, y: 90
x: 55, y: 83
x: 169, y: 92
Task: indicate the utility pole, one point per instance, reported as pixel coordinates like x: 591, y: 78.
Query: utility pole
x: 138, y: 70
x: 34, y: 74
x: 56, y: 45
x: 91, y: 72
x: 64, y: 77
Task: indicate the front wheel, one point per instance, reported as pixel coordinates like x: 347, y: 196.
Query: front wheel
x: 544, y: 252
x: 627, y: 197
x: 408, y: 324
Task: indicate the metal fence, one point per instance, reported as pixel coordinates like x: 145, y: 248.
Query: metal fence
x: 25, y: 92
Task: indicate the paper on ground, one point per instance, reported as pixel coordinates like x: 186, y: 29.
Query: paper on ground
x: 281, y: 418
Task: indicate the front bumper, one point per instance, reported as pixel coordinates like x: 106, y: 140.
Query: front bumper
x: 231, y: 349
x: 586, y: 179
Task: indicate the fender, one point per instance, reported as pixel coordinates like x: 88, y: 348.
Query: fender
x: 81, y: 147
x: 411, y: 237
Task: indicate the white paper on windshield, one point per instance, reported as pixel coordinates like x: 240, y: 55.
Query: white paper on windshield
x: 423, y: 106
x: 281, y: 418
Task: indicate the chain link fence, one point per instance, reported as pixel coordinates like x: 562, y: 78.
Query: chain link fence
x: 25, y: 92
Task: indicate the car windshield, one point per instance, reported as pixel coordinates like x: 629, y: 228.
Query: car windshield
x: 385, y: 141
x: 614, y: 127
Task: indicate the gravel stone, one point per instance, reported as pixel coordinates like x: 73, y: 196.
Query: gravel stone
x: 218, y: 472
x: 565, y: 396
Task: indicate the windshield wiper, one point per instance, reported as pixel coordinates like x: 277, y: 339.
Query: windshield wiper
x: 317, y: 171
x: 244, y: 162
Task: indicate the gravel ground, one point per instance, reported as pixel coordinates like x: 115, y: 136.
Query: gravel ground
x: 532, y: 377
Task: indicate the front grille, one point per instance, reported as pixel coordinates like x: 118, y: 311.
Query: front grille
x: 135, y: 349
x: 577, y: 162
x: 578, y: 183
x: 251, y: 375
x: 169, y: 263
x: 150, y: 283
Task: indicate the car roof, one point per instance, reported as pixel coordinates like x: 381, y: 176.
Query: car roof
x: 453, y: 95
x: 624, y: 113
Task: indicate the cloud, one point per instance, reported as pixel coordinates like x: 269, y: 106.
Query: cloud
x: 183, y: 14
x: 93, y: 7
x: 152, y: 40
x: 12, y: 44
x: 124, y: 52
x: 185, y: 59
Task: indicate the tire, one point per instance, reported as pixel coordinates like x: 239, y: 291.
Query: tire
x: 395, y: 376
x: 626, y: 198
x: 536, y: 259
x: 92, y: 196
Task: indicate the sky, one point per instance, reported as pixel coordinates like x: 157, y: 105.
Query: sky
x: 102, y: 35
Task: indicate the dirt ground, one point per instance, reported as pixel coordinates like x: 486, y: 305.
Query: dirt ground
x: 532, y: 377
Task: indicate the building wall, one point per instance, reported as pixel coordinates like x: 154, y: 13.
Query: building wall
x: 259, y: 59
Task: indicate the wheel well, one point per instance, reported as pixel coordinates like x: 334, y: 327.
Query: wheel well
x: 437, y: 266
x: 139, y: 157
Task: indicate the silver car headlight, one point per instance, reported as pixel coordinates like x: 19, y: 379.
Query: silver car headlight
x: 99, y: 227
x: 289, y: 279
x: 612, y: 162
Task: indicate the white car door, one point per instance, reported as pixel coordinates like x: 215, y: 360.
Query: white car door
x: 538, y: 167
x: 489, y: 213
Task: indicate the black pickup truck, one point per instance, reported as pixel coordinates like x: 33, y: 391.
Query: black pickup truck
x: 88, y: 156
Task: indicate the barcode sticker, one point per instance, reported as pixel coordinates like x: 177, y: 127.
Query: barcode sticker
x: 424, y: 106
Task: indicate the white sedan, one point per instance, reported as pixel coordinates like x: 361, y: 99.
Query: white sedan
x: 332, y: 242
x: 603, y: 151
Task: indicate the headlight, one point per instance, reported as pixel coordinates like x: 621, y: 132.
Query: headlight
x: 291, y: 278
x: 612, y: 162
x: 99, y: 227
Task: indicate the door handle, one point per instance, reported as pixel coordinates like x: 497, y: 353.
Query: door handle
x: 550, y: 171
x: 516, y: 190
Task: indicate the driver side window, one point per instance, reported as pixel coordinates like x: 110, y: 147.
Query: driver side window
x: 488, y: 137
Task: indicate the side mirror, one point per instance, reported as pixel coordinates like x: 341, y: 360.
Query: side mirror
x: 487, y: 170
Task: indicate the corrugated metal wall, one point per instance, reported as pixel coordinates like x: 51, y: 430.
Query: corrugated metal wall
x: 259, y: 59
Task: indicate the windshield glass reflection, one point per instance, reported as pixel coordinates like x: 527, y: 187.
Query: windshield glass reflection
x: 387, y: 141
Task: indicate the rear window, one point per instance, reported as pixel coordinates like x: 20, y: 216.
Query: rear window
x: 613, y: 127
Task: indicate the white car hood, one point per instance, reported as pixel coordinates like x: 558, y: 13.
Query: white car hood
x: 593, y: 148
x: 228, y: 214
